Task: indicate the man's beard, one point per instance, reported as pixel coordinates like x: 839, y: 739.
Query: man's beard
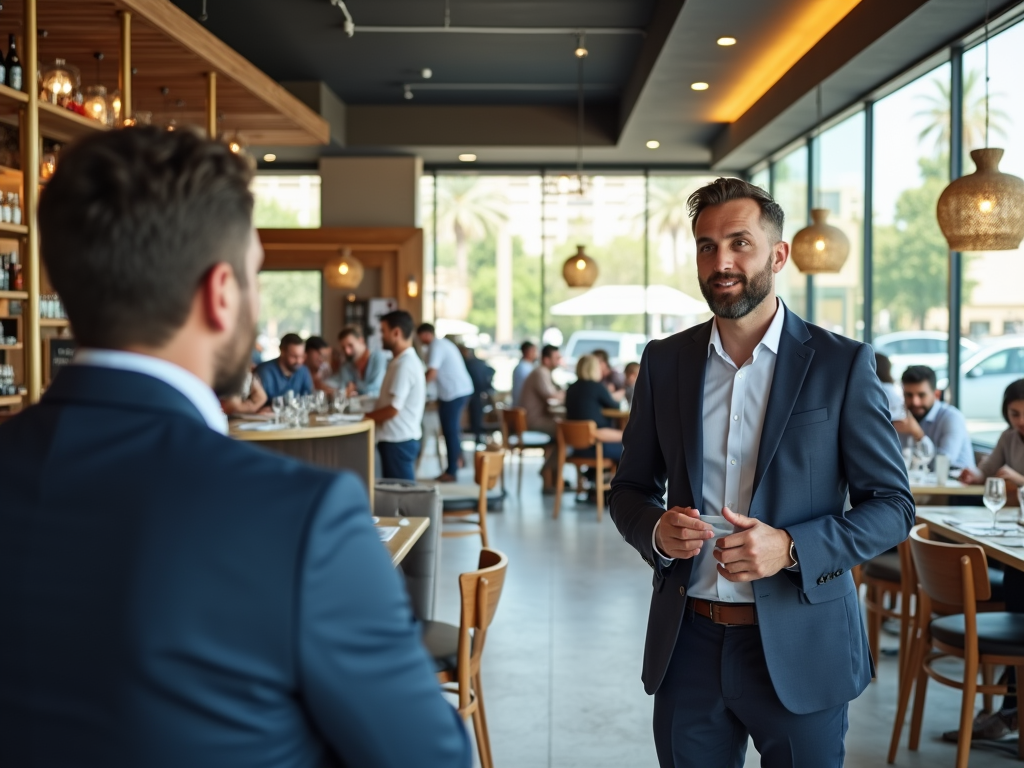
x: 232, y: 363
x: 754, y: 292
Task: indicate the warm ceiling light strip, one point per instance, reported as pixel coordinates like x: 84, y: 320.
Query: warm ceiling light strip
x: 794, y: 37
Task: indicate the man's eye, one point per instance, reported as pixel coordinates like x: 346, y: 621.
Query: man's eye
x: 742, y: 243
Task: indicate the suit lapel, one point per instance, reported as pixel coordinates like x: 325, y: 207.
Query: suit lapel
x: 791, y: 366
x: 693, y: 360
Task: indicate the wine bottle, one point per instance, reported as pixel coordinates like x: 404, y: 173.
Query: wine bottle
x: 3, y: 68
x: 17, y: 283
x: 13, y: 65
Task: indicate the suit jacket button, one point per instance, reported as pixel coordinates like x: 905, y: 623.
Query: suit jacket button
x: 839, y: 572
x: 821, y: 580
x: 682, y: 591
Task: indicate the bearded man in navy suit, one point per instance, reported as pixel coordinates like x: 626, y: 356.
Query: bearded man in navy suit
x: 170, y: 597
x: 759, y: 424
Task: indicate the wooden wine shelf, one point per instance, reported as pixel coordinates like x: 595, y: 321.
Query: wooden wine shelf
x: 11, y: 399
x: 11, y: 346
x: 15, y: 295
x: 53, y: 322
x: 13, y: 229
x: 61, y: 124
x: 11, y: 100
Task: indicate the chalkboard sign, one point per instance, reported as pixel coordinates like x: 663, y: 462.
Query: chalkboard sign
x: 56, y: 354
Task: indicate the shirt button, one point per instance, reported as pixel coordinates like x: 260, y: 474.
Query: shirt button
x: 740, y: 374
x: 735, y: 417
x: 732, y: 461
x: 682, y: 591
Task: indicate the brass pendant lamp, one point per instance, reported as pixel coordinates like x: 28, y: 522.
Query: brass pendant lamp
x: 580, y: 271
x: 343, y: 271
x: 820, y: 247
x: 984, y: 210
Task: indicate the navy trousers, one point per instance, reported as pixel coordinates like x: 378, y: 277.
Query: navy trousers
x: 398, y: 460
x: 717, y: 692
x: 450, y: 413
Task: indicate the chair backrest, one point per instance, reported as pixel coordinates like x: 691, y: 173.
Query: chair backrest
x: 481, y: 591
x: 514, y: 420
x: 952, y: 574
x: 488, y: 468
x: 576, y: 434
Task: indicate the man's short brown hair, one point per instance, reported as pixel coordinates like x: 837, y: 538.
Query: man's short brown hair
x: 351, y: 330
x: 131, y: 223
x: 724, y: 190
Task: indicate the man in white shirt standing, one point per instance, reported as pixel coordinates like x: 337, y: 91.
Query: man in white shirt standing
x: 758, y: 424
x: 403, y: 394
x: 446, y: 366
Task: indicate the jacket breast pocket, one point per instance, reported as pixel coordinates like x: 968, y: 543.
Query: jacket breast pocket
x: 807, y: 417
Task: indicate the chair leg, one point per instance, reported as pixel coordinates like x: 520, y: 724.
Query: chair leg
x: 483, y: 736
x: 914, y: 654
x: 1020, y: 741
x: 906, y: 624
x: 988, y: 676
x: 600, y: 491
x: 919, y: 696
x: 519, y: 488
x: 559, y: 487
x: 873, y: 600
x: 963, y: 747
x: 483, y: 525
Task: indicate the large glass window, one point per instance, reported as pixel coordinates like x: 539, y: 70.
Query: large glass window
x: 287, y: 201
x: 839, y: 162
x: 789, y: 188
x: 290, y: 302
x: 990, y: 288
x: 911, y: 258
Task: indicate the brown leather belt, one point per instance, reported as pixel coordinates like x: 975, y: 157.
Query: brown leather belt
x: 729, y: 614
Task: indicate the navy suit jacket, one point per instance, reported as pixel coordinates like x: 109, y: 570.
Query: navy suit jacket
x: 826, y: 432
x: 172, y: 597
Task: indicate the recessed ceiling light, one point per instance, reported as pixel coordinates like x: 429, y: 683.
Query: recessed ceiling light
x: 699, y: 86
x: 467, y: 157
x: 269, y: 157
x: 653, y: 144
x: 727, y: 41
x: 426, y: 73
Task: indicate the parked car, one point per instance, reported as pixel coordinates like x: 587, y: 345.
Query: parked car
x: 621, y: 347
x: 907, y: 348
x: 985, y: 375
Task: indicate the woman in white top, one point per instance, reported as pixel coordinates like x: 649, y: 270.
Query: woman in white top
x: 893, y: 391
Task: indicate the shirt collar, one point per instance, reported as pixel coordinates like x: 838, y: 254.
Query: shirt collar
x: 770, y: 340
x: 933, y: 412
x: 187, y: 383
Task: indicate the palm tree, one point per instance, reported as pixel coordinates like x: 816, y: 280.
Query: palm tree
x: 667, y: 212
x: 937, y: 111
x: 470, y: 211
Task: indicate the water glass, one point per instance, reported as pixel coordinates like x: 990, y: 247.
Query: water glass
x: 995, y: 499
x: 277, y: 405
x: 924, y: 450
x: 1020, y: 509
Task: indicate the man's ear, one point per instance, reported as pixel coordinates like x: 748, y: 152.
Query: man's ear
x: 780, y: 256
x: 220, y: 297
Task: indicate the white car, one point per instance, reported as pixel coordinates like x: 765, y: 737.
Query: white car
x: 985, y: 375
x: 907, y: 348
x: 621, y: 347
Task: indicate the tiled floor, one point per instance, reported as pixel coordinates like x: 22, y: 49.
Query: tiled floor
x: 562, y: 666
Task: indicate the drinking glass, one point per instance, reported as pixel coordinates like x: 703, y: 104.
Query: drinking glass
x: 1020, y: 509
x: 924, y: 450
x: 320, y: 399
x: 995, y: 499
x: 289, y: 397
x: 340, y: 401
x: 277, y: 405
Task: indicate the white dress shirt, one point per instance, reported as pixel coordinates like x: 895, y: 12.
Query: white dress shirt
x: 453, y: 379
x: 188, y: 384
x: 405, y: 389
x: 735, y: 402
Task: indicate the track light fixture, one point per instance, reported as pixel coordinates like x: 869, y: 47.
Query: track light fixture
x: 581, y: 45
x: 350, y: 26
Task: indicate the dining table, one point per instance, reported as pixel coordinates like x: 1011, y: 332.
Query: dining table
x: 399, y: 534
x: 965, y: 525
x: 617, y: 415
x: 925, y: 489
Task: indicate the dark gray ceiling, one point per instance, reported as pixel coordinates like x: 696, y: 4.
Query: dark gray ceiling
x: 511, y: 98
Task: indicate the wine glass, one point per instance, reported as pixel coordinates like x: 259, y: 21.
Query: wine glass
x: 995, y: 499
x: 320, y: 399
x: 924, y: 450
x: 277, y: 405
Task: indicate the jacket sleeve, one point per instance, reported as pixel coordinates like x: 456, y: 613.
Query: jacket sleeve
x: 882, y: 508
x: 362, y: 665
x: 638, y: 488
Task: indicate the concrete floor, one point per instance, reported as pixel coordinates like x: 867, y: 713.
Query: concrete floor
x: 562, y: 666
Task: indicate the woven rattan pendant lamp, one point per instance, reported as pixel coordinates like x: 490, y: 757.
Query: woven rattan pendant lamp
x: 580, y: 271
x: 344, y: 272
x: 984, y: 210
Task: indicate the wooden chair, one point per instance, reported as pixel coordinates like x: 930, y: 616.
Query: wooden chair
x: 887, y: 597
x: 488, y: 466
x: 457, y: 651
x: 516, y: 437
x: 955, y: 575
x: 579, y: 435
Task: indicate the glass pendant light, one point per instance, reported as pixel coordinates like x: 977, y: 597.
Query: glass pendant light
x: 820, y: 247
x: 984, y: 210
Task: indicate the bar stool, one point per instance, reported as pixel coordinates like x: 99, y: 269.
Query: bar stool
x: 457, y: 651
x: 955, y: 575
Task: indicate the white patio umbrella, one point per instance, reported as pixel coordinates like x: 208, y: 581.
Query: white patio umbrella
x: 632, y: 300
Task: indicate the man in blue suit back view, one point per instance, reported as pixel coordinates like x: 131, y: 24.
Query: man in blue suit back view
x: 757, y: 425
x: 170, y: 597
